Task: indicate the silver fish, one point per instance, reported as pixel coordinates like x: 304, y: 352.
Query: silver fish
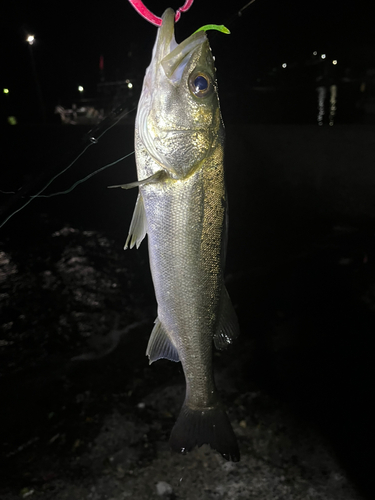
x: 181, y: 205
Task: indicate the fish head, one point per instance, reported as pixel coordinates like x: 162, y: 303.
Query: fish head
x: 178, y: 119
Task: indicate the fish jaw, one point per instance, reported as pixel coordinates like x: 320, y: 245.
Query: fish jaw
x: 176, y: 128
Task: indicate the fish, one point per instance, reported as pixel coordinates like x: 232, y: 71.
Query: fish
x: 182, y: 207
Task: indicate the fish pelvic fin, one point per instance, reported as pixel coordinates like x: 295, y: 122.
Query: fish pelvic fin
x: 196, y: 427
x: 160, y: 345
x: 138, y: 225
x: 227, y: 328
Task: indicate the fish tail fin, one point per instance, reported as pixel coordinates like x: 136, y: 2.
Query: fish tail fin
x: 195, y: 427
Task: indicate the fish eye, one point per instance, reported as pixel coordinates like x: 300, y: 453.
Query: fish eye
x: 200, y: 84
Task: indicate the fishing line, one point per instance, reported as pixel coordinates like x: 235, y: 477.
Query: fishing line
x: 84, y: 179
x: 234, y: 17
x: 93, y: 136
x: 245, y: 7
x: 8, y: 192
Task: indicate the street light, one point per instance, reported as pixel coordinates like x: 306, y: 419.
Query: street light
x: 30, y: 39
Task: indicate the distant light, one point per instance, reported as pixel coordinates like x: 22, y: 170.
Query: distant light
x: 284, y: 65
x: 6, y: 91
x: 12, y: 120
x: 130, y: 85
x: 323, y: 56
x: 80, y: 88
x: 30, y: 39
x: 334, y: 62
x: 315, y: 53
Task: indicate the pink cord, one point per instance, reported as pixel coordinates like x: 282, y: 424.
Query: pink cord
x: 149, y: 16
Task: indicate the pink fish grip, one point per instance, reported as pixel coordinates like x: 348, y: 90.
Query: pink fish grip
x: 149, y: 16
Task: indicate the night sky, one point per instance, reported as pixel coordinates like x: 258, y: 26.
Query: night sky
x: 71, y: 37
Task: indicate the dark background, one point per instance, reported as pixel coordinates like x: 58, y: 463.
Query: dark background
x: 71, y: 37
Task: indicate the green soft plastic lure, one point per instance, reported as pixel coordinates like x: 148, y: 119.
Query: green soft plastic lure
x: 217, y: 27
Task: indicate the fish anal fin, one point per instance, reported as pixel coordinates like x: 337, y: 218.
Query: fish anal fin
x: 160, y: 345
x: 227, y: 328
x: 196, y: 427
x: 138, y: 225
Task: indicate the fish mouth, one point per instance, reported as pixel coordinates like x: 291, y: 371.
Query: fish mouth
x: 165, y: 41
x: 172, y: 56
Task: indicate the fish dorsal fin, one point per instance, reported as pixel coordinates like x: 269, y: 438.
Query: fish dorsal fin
x: 138, y: 225
x: 227, y: 328
x: 160, y: 345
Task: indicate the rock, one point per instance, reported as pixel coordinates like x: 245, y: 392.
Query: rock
x: 163, y: 488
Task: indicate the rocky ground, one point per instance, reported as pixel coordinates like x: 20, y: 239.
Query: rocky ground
x: 83, y: 415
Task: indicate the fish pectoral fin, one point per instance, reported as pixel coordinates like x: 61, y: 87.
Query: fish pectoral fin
x: 228, y: 328
x: 138, y: 225
x: 160, y: 345
x: 158, y: 176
